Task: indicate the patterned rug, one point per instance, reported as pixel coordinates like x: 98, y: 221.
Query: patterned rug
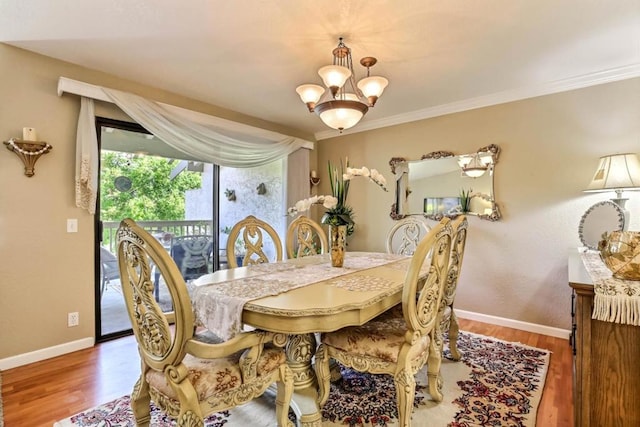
x: 497, y: 383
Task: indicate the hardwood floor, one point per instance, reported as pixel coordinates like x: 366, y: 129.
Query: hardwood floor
x: 44, y: 392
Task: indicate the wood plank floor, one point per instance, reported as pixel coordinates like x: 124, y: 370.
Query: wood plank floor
x: 44, y: 392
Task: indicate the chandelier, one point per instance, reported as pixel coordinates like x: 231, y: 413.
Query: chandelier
x: 345, y: 102
x: 475, y: 166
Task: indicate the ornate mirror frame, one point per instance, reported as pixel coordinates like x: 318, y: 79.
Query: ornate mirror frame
x: 400, y: 169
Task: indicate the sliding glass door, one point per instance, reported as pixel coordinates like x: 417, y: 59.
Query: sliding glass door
x: 172, y: 197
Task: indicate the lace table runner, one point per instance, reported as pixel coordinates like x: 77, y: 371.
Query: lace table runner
x: 615, y: 300
x: 218, y: 306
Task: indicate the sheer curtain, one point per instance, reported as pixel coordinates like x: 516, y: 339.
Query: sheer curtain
x: 206, y: 137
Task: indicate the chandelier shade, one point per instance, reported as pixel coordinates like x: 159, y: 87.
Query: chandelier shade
x: 345, y: 102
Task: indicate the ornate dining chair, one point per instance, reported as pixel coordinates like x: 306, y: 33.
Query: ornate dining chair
x: 449, y: 322
x: 404, y: 236
x: 192, y: 254
x: 305, y: 237
x: 187, y: 375
x: 398, y: 346
x: 251, y: 234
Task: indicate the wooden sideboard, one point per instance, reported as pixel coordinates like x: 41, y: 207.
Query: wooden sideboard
x: 606, y: 386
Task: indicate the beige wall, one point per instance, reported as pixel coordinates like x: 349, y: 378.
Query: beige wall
x: 515, y: 268
x: 46, y: 272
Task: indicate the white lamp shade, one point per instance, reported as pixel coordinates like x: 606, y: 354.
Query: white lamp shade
x: 310, y: 93
x: 619, y: 171
x: 475, y: 168
x: 334, y: 75
x: 341, y: 118
x: 373, y: 86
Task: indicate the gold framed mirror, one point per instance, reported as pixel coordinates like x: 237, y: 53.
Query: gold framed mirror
x: 442, y: 183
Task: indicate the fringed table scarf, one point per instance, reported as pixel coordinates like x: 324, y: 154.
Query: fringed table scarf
x: 615, y: 300
x: 218, y: 306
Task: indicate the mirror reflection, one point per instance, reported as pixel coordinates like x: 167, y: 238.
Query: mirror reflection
x: 445, y: 184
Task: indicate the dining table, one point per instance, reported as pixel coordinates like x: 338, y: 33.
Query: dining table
x: 301, y: 298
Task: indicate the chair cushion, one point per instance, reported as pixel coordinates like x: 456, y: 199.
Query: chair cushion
x: 214, y: 376
x: 381, y: 338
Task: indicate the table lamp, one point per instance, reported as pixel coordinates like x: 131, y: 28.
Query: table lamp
x: 617, y: 172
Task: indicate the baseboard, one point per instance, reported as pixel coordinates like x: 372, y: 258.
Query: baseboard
x: 45, y: 353
x: 515, y: 324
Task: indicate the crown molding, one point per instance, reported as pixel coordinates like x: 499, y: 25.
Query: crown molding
x: 592, y: 79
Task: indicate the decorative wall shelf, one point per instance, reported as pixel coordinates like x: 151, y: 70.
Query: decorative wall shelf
x: 29, y: 152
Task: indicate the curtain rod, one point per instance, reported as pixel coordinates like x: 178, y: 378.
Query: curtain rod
x: 88, y: 90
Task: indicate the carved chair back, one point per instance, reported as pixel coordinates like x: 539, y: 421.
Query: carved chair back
x: 252, y: 233
x: 305, y: 237
x: 404, y: 236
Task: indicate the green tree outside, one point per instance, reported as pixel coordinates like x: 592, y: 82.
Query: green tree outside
x: 153, y: 195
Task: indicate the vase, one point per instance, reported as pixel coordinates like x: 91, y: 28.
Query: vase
x: 337, y: 242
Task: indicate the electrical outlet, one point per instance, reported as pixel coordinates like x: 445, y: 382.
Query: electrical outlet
x: 73, y: 319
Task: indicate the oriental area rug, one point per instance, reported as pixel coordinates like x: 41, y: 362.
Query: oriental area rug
x: 496, y: 383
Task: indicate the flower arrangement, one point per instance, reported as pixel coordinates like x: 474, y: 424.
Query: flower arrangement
x: 338, y: 212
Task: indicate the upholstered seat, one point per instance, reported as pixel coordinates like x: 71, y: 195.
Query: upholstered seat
x: 398, y: 345
x: 305, y: 237
x: 252, y: 234
x: 190, y: 376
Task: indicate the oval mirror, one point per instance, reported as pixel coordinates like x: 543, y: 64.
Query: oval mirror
x: 603, y: 217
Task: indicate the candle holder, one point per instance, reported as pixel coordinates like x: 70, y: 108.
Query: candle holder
x: 29, y: 152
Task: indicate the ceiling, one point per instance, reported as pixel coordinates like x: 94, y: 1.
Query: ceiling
x: 249, y: 55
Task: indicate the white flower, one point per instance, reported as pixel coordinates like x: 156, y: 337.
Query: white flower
x: 304, y: 205
x: 372, y: 174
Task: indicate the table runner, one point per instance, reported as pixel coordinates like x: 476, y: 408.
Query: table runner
x: 615, y: 300
x: 218, y: 306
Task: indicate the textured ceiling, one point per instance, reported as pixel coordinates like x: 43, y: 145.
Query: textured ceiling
x: 249, y: 55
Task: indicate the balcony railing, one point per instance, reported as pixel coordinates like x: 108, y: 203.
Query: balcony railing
x: 170, y: 228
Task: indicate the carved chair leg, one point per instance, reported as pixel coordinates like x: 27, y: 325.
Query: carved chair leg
x: 323, y: 374
x: 140, y: 402
x: 405, y: 394
x: 454, y: 329
x: 283, y: 396
x: 433, y: 371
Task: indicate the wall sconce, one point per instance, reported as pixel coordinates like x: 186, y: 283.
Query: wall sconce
x: 314, y: 179
x: 230, y: 194
x: 28, y: 149
x: 261, y: 189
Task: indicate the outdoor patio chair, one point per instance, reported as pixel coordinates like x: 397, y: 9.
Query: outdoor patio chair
x: 398, y: 345
x: 250, y: 235
x: 192, y: 254
x: 189, y: 375
x: 305, y: 237
x: 108, y: 269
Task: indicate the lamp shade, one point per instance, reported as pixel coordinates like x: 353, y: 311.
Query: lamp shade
x: 334, y: 75
x: 341, y: 114
x: 616, y: 172
x: 373, y: 86
x: 310, y: 93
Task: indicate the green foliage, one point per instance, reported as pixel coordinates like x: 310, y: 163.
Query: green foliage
x: 465, y: 199
x: 342, y: 214
x: 153, y: 195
